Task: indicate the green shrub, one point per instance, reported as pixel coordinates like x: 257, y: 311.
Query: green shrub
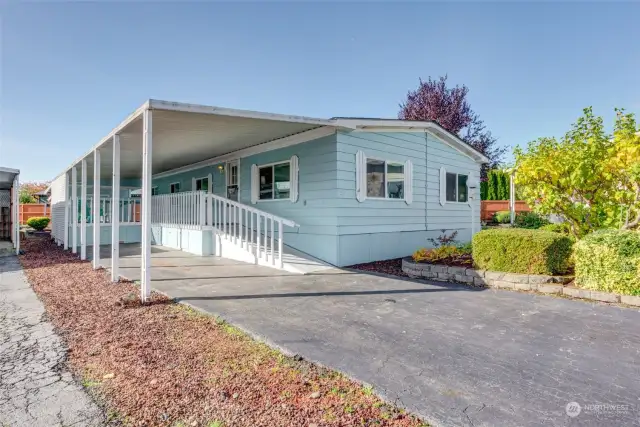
x: 562, y: 227
x: 517, y: 250
x: 38, y: 222
x: 530, y: 220
x: 609, y: 260
x: 502, y: 217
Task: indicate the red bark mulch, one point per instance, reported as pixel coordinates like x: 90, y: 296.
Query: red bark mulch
x: 163, y: 364
x: 389, y: 266
x: 394, y: 266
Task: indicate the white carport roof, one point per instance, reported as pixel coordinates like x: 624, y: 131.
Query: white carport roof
x: 7, y: 175
x: 184, y: 134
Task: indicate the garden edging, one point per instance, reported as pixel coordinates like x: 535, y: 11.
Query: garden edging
x: 521, y: 282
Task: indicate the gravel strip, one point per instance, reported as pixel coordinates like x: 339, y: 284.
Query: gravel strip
x: 165, y: 364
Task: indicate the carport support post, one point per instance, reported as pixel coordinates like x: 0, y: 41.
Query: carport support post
x: 95, y: 210
x: 147, y: 145
x: 74, y: 209
x: 66, y: 211
x: 16, y: 224
x: 115, y: 211
x: 83, y: 211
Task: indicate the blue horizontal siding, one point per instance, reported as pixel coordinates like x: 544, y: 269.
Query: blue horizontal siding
x: 186, y: 179
x: 381, y: 215
x: 451, y: 216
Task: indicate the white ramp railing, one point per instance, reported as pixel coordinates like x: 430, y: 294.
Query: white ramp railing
x: 183, y: 210
x: 129, y: 210
x: 253, y: 230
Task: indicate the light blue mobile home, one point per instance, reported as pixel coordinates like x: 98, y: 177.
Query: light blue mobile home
x: 342, y: 190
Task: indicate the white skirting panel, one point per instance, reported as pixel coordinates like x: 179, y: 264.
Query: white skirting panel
x: 197, y: 242
x: 129, y: 233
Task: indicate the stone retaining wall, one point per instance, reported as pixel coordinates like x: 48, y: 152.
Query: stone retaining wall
x: 521, y: 282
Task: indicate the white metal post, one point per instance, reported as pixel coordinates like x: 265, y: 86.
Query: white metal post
x: 145, y: 211
x: 16, y: 224
x: 95, y: 214
x: 83, y: 211
x: 74, y: 209
x: 512, y: 198
x: 280, y: 244
x: 115, y: 218
x: 14, y: 207
x: 66, y: 211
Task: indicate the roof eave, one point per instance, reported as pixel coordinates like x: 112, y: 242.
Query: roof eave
x: 432, y: 127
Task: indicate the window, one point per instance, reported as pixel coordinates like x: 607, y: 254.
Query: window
x: 233, y: 179
x: 385, y: 179
x: 174, y: 188
x: 233, y: 174
x: 154, y: 191
x: 456, y: 187
x: 202, y: 184
x: 274, y: 181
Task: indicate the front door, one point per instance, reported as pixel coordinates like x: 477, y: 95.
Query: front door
x: 233, y: 179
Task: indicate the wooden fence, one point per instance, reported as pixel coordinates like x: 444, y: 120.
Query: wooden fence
x: 490, y: 207
x: 29, y: 210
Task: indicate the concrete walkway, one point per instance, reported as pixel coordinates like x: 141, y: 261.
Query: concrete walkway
x: 35, y: 388
x: 458, y: 356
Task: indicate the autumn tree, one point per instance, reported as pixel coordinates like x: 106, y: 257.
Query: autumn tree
x: 589, y: 177
x: 29, y: 189
x: 434, y: 100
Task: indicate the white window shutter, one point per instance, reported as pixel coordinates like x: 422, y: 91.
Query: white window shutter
x: 193, y: 184
x: 255, y: 184
x: 210, y: 186
x: 408, y: 182
x: 443, y: 186
x: 361, y: 176
x: 293, y: 179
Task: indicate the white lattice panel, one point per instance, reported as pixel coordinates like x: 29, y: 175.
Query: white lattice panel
x: 5, y: 198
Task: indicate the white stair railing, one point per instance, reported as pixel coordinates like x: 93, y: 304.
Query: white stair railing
x: 249, y: 228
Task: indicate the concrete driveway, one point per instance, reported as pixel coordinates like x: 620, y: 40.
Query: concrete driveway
x: 457, y: 356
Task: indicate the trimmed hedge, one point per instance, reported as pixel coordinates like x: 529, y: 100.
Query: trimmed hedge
x: 609, y: 260
x: 38, y: 222
x: 518, y: 250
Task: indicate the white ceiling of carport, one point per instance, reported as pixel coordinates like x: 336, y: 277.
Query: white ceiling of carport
x: 183, y: 138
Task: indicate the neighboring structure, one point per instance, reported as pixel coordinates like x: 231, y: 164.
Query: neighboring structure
x: 9, y: 223
x: 259, y: 187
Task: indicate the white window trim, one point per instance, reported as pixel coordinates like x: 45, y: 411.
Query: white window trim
x: 195, y: 182
x: 386, y: 187
x: 445, y: 188
x: 266, y: 165
x: 174, y: 183
x: 227, y: 175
